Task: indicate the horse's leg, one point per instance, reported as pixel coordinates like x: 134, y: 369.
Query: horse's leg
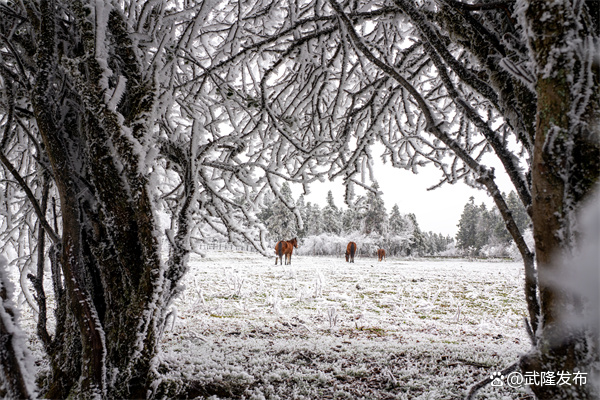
x: 279, y: 252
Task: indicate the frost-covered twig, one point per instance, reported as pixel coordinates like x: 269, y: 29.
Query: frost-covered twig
x: 34, y: 203
x: 238, y: 283
x: 457, y: 315
x: 332, y: 315
x: 319, y: 285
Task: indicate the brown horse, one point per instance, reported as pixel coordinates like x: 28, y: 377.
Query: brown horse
x: 350, y: 251
x: 381, y: 254
x: 285, y: 247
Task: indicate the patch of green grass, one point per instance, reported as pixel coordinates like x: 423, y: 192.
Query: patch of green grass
x: 450, y: 342
x: 373, y: 330
x: 222, y: 316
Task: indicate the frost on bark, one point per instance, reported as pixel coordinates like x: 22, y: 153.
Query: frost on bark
x: 136, y: 110
x: 565, y: 168
x: 104, y: 154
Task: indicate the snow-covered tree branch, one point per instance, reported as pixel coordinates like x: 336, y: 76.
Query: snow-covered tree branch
x: 444, y: 82
x: 129, y: 127
x: 109, y: 154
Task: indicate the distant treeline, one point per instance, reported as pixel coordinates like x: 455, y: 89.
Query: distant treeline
x: 326, y: 230
x: 482, y: 232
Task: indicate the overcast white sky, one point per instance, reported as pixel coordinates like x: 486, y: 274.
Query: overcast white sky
x: 438, y: 210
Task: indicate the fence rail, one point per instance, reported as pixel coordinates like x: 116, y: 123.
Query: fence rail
x: 225, y: 246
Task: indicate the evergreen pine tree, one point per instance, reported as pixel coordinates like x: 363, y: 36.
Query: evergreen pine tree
x: 436, y: 243
x: 301, y: 206
x: 375, y: 217
x: 397, y: 224
x: 518, y: 211
x: 521, y: 218
x: 400, y: 233
x: 478, y: 227
x: 281, y: 224
x: 314, y: 220
x: 417, y: 246
x: 466, y: 236
x: 332, y: 220
x: 500, y: 234
x: 352, y: 218
x: 485, y: 226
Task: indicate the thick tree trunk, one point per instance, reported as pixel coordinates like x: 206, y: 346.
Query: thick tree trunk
x: 564, y: 171
x: 109, y: 304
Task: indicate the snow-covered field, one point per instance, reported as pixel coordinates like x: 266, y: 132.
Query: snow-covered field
x: 326, y: 329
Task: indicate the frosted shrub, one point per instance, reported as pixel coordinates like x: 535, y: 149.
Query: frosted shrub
x: 323, y: 244
x: 235, y: 283
x: 273, y: 301
x: 332, y: 315
x: 398, y: 244
x: 451, y: 251
x: 495, y: 250
x: 327, y: 244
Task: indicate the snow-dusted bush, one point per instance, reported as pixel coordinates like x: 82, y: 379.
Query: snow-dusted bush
x: 327, y: 244
x: 451, y: 251
x: 323, y: 244
x: 398, y: 245
x: 496, y: 250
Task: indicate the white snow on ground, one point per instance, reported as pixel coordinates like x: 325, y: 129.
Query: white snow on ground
x: 323, y: 328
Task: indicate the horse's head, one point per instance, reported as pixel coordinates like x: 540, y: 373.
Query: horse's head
x: 294, y: 242
x: 347, y: 256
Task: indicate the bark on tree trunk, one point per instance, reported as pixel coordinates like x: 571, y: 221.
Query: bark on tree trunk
x: 110, y: 302
x: 564, y: 171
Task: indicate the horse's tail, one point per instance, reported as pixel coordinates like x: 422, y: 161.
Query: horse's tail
x: 280, y: 249
x: 352, y: 249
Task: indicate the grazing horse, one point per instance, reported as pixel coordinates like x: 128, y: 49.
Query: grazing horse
x: 350, y: 251
x: 381, y: 254
x: 285, y: 247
